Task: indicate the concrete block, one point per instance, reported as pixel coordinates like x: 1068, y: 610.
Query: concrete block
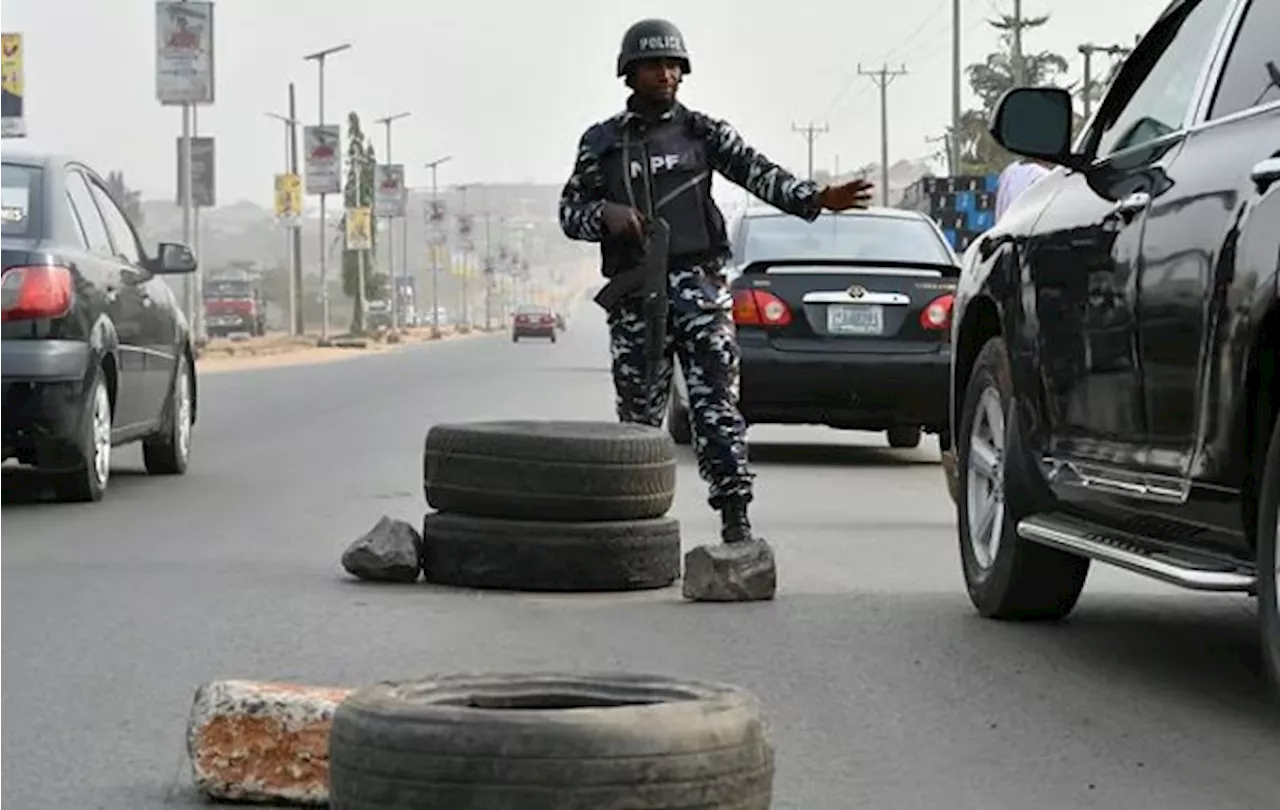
x: 732, y: 572
x: 259, y: 741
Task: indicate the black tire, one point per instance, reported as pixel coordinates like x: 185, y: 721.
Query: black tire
x: 678, y: 425
x: 169, y: 452
x: 84, y: 483
x: 904, y: 438
x: 1268, y: 587
x: 536, y: 470
x: 515, y: 339
x: 553, y: 337
x: 550, y: 742
x: 1025, y: 580
x: 475, y: 552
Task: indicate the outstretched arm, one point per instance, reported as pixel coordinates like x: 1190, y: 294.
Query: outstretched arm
x: 735, y: 159
x: 582, y: 199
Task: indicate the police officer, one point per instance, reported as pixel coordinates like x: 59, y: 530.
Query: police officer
x: 655, y: 158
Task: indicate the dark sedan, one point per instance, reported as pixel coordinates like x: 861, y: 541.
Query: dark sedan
x: 842, y: 322
x: 96, y: 352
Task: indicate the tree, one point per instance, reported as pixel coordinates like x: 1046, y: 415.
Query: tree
x: 989, y: 80
x: 130, y: 201
x: 359, y: 191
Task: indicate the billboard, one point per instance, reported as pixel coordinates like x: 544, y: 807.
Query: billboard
x: 203, y: 187
x: 184, y: 52
x: 389, y: 191
x: 323, y: 148
x: 288, y: 200
x: 14, y: 121
x: 359, y: 228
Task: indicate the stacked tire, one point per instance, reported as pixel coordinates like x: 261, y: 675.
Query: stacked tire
x: 550, y: 506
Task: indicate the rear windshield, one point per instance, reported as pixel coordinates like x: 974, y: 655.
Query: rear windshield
x: 21, y: 193
x: 831, y: 236
x: 224, y: 289
x: 532, y: 310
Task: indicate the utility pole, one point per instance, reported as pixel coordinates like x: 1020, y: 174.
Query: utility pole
x: 488, y: 268
x: 296, y: 317
x: 810, y: 132
x: 1019, y: 63
x: 361, y: 303
x: 391, y: 253
x: 464, y: 230
x: 319, y: 58
x: 953, y: 149
x: 1088, y: 49
x: 437, y: 241
x: 883, y: 78
x: 197, y: 317
x: 290, y: 233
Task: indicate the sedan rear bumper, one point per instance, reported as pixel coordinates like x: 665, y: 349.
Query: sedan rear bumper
x: 854, y: 391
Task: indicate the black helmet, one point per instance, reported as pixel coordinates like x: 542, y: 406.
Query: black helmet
x: 652, y: 39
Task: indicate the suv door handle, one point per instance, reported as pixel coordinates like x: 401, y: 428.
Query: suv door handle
x: 1127, y: 208
x: 1265, y: 172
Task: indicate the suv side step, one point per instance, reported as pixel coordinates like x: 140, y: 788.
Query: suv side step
x: 1176, y: 566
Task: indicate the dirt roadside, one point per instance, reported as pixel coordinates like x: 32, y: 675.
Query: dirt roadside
x: 274, y: 351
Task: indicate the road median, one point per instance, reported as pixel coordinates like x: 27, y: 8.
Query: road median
x: 276, y: 350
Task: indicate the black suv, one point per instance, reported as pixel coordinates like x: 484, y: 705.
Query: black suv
x: 96, y: 351
x: 1114, y: 382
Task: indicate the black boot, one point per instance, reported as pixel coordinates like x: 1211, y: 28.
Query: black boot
x: 735, y: 526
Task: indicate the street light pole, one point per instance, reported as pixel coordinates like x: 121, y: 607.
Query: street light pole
x: 289, y: 123
x: 391, y: 252
x: 435, y: 264
x: 319, y: 58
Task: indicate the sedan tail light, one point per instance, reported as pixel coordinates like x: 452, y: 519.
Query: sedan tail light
x: 40, y: 291
x: 936, y: 317
x: 759, y: 308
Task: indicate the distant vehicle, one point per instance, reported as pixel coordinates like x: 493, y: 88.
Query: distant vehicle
x: 96, y: 351
x: 377, y: 314
x: 533, y: 320
x: 842, y: 322
x: 234, y: 306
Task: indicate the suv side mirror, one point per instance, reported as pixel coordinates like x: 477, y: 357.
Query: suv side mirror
x: 1036, y: 122
x: 173, y: 258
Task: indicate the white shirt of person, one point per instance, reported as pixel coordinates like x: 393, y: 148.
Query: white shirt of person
x: 1016, y: 178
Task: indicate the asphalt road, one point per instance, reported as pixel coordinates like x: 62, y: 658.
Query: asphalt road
x: 883, y: 688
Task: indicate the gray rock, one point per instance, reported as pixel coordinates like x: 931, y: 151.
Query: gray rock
x: 389, y: 552
x: 730, y: 572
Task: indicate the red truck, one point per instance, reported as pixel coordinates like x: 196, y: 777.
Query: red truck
x: 234, y: 306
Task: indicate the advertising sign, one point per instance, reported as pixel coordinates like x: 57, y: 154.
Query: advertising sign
x: 15, y: 125
x: 288, y: 200
x: 360, y: 228
x: 184, y: 52
x: 389, y: 191
x: 323, y: 148
x: 203, y: 187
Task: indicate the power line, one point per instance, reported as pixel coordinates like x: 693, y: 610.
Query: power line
x: 810, y: 132
x: 883, y: 78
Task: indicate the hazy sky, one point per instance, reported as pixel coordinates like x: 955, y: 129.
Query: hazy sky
x: 507, y: 87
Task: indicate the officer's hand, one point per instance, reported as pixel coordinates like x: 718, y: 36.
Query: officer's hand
x: 854, y: 194
x: 623, y: 220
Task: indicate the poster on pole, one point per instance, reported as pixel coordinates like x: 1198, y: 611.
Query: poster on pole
x: 15, y: 125
x: 203, y: 191
x: 360, y: 228
x: 184, y: 52
x: 389, y: 190
x: 288, y: 200
x: 323, y: 158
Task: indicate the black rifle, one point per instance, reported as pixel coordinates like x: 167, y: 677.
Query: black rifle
x: 648, y: 281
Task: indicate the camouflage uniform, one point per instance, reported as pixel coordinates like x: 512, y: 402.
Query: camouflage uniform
x: 700, y: 327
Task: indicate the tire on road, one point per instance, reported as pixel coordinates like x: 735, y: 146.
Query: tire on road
x: 535, y: 742
x: 1021, y: 579
x: 477, y: 552
x: 534, y: 470
x: 1268, y: 538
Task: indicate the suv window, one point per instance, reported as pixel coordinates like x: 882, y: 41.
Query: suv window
x: 1251, y: 77
x: 1162, y: 100
x: 122, y: 235
x: 86, y: 211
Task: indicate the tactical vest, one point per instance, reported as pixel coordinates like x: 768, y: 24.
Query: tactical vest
x: 662, y: 168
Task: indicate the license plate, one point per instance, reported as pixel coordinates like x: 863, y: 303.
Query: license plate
x: 855, y: 319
